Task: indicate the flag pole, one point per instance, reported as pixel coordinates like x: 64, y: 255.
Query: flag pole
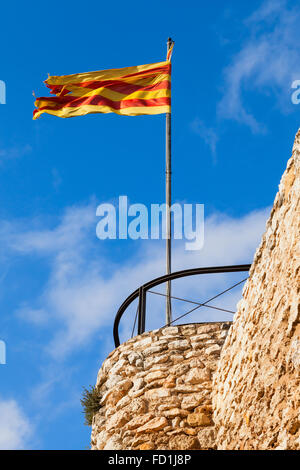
x: 168, y: 207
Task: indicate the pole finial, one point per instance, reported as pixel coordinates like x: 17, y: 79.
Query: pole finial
x: 170, y: 44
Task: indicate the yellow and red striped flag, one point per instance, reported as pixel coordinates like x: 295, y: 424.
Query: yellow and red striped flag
x: 131, y: 91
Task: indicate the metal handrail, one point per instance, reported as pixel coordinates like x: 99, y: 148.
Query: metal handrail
x: 142, y: 291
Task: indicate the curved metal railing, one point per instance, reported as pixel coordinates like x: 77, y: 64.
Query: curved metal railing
x: 141, y: 292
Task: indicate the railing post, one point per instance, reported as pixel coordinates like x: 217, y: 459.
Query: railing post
x: 142, y: 310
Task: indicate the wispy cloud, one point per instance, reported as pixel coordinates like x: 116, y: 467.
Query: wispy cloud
x: 208, y: 134
x: 15, y: 428
x: 268, y: 62
x: 56, y: 179
x: 37, y: 317
x: 14, y: 152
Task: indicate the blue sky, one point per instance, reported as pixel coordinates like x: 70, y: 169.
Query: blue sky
x: 233, y: 130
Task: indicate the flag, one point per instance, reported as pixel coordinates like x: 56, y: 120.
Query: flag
x: 130, y: 91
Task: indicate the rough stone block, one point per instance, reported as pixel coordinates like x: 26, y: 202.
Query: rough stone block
x: 199, y: 419
x: 154, y: 425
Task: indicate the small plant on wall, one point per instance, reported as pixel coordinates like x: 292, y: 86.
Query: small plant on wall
x: 91, y: 403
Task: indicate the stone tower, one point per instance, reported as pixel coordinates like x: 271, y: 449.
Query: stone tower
x: 181, y: 388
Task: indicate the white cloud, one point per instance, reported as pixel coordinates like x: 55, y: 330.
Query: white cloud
x: 268, y: 62
x: 85, y: 287
x: 66, y: 237
x: 15, y: 428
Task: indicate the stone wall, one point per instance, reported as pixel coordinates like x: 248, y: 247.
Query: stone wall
x: 156, y: 390
x: 256, y: 394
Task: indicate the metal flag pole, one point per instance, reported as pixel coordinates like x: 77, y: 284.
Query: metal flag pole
x: 168, y: 209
